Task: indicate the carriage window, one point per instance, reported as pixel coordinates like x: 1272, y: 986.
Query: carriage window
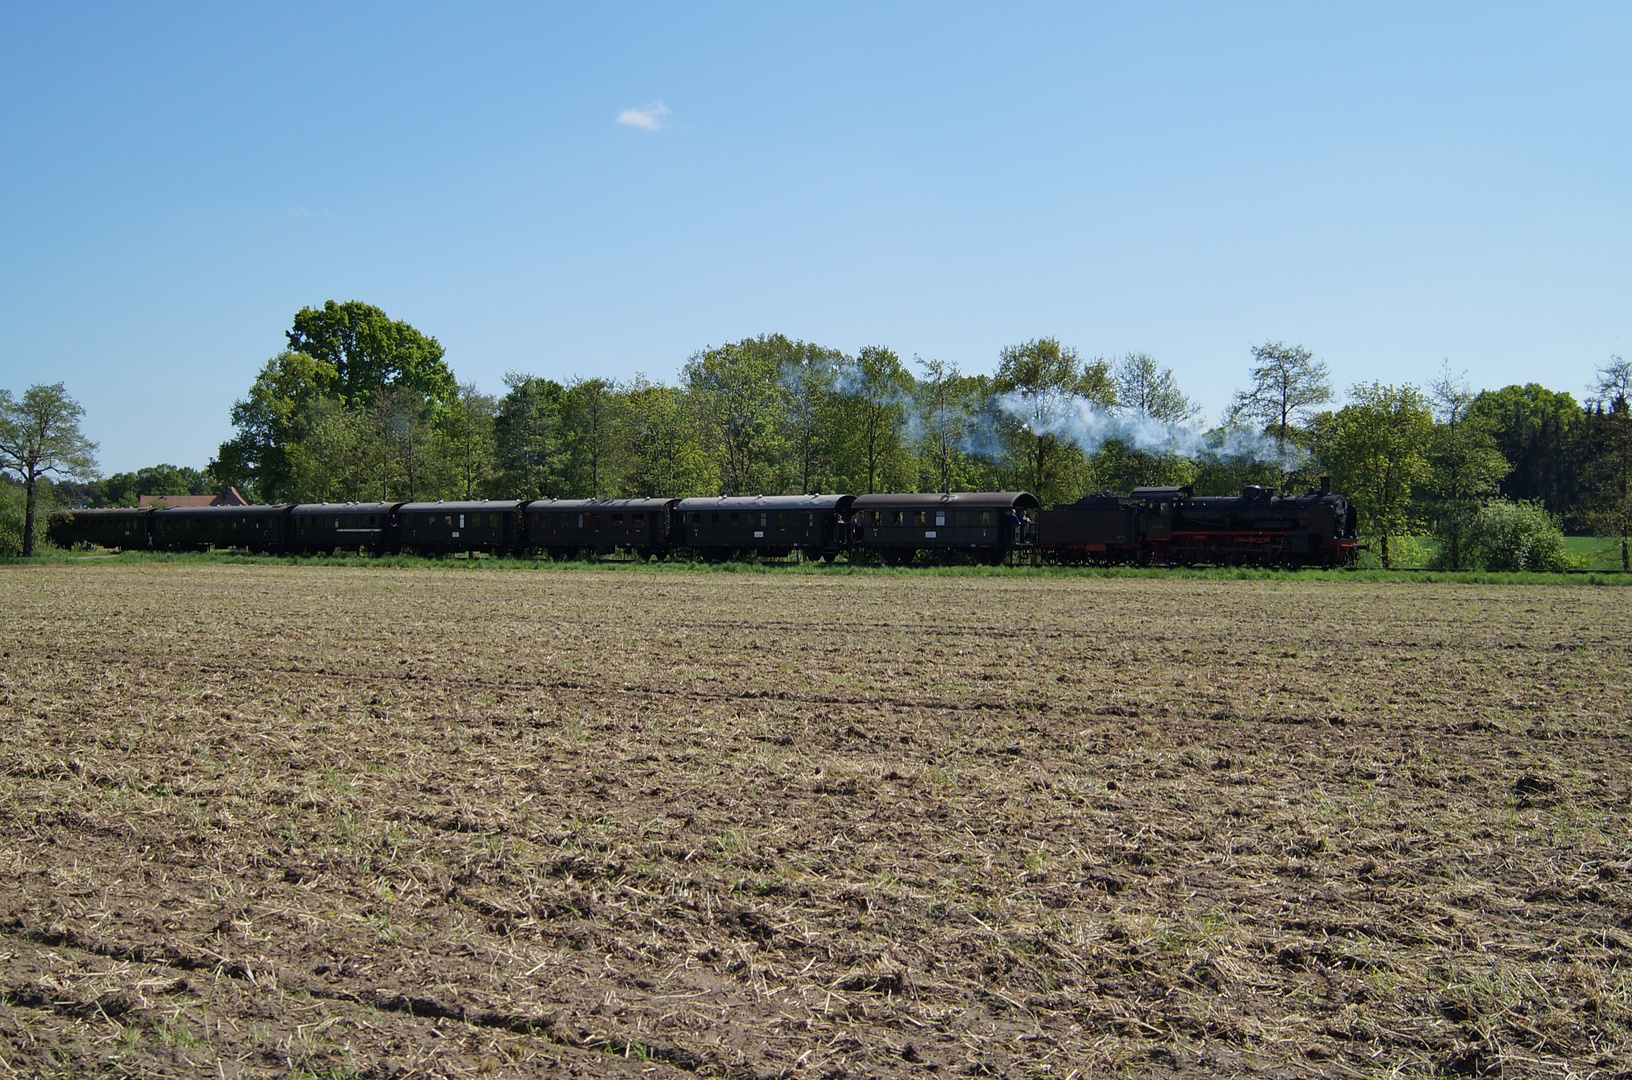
x: 810, y: 517
x: 637, y: 519
x: 917, y: 517
x: 595, y: 521
x: 897, y: 517
x: 985, y: 517
x: 617, y: 519
x: 762, y: 519
x: 782, y: 517
x: 715, y: 519
x: 940, y: 517
x: 733, y: 519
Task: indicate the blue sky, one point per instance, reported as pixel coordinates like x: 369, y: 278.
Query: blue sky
x: 1393, y: 187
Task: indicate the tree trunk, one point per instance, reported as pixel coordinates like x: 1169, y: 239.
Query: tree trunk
x: 1626, y: 552
x: 1386, y: 564
x: 28, y: 515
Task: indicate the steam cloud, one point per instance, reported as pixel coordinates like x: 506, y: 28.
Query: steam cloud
x: 1091, y: 428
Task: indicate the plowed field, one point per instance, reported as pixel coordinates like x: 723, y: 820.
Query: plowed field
x: 272, y: 821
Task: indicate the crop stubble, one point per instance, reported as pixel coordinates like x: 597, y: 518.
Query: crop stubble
x: 274, y: 821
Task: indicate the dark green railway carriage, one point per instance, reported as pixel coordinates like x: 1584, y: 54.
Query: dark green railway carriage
x: 765, y: 525
x: 442, y: 528
x: 980, y: 524
x: 201, y: 528
x: 567, y: 527
x: 122, y: 528
x: 351, y: 526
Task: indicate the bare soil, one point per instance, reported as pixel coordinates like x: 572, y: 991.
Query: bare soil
x: 274, y: 821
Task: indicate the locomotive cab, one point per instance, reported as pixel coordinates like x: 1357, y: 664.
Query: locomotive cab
x: 1157, y: 508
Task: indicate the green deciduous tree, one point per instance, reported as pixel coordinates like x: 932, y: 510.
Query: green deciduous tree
x: 1287, y: 385
x: 1376, y: 449
x: 590, y: 412
x: 126, y: 488
x: 369, y: 351
x: 1467, y: 467
x: 739, y: 396
x: 530, y: 440
x: 876, y: 400
x: 663, y: 451
x: 469, y: 430
x: 1146, y: 389
x: 340, y: 455
x: 1539, y: 431
x: 1148, y: 394
x: 947, y: 400
x: 1609, y: 473
x: 40, y: 437
x: 1042, y: 382
x: 270, y: 419
x: 809, y: 378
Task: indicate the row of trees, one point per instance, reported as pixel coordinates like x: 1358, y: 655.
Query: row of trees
x: 362, y: 407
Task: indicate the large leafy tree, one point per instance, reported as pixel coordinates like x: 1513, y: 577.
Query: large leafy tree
x: 1610, y: 470
x: 1539, y: 431
x: 663, y: 450
x: 40, y: 437
x: 1147, y: 390
x: 1376, y: 449
x: 590, y: 414
x: 270, y: 420
x: 369, y: 351
x: 1467, y: 466
x: 1287, y: 384
x: 809, y: 379
x: 352, y: 354
x: 740, y: 399
x: 340, y: 456
x: 875, y: 389
x: 471, y: 442
x: 1043, y: 383
x: 529, y: 438
x: 1148, y: 395
x: 947, y: 402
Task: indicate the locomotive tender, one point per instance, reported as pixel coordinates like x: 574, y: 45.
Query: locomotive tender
x: 1151, y: 526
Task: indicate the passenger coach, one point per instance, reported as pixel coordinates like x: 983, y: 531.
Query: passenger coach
x: 564, y: 527
x: 980, y: 524
x: 765, y: 525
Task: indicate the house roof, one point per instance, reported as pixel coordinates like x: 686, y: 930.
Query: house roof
x: 230, y: 497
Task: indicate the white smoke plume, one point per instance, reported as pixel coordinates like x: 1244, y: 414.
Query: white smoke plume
x: 1091, y: 427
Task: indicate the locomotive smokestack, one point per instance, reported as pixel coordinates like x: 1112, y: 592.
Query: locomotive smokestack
x: 1325, y: 485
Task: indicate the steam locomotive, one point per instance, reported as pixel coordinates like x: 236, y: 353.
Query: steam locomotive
x: 1150, y: 526
x: 1171, y: 526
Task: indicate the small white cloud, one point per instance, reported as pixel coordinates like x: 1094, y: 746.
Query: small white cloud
x: 646, y: 118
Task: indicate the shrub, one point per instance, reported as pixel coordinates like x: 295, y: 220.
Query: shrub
x: 1504, y: 535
